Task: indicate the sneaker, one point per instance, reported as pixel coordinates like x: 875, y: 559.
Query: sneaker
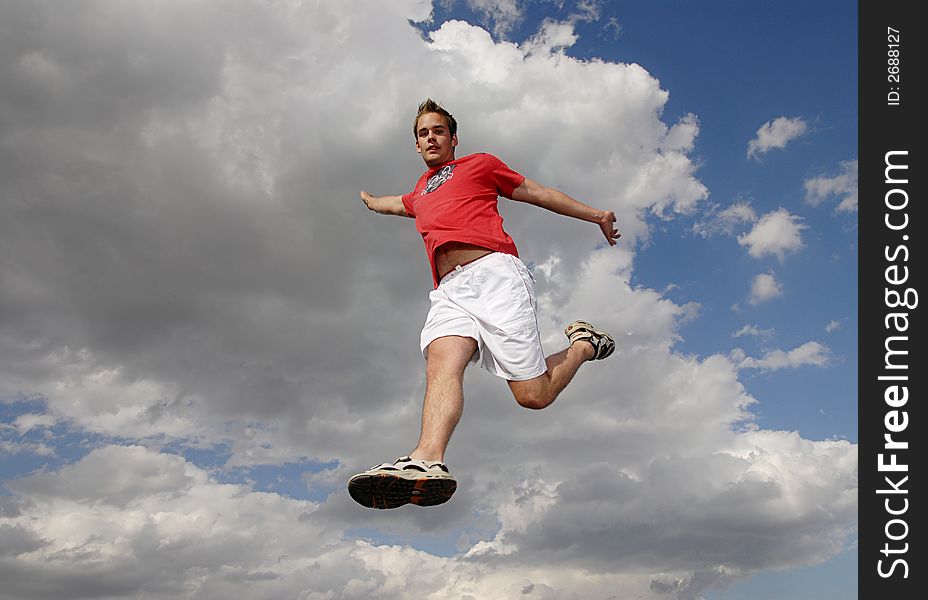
x: 406, y: 481
x: 602, y: 342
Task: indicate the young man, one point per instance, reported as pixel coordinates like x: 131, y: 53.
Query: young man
x: 482, y: 308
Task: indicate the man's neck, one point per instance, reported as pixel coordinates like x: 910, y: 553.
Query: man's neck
x: 441, y: 164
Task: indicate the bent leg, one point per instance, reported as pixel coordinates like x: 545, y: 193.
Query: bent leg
x: 541, y: 391
x: 444, y: 394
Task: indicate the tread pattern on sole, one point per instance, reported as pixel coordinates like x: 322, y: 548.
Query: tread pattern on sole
x: 383, y: 490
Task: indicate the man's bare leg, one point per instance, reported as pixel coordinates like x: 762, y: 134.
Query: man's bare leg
x: 444, y: 394
x: 541, y: 391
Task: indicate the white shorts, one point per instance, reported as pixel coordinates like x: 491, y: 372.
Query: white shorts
x: 491, y: 300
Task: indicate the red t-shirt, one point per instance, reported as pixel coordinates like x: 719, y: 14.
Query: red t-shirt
x: 457, y: 202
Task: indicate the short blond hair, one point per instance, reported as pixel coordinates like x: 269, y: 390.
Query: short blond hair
x: 430, y: 106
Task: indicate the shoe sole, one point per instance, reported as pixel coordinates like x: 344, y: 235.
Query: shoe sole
x: 388, y: 490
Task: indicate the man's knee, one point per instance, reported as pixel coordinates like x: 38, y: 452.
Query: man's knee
x: 532, y: 402
x: 533, y: 398
x: 442, y: 368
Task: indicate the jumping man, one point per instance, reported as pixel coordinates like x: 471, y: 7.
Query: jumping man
x: 482, y: 307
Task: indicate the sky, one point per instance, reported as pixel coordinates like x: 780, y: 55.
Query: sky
x: 204, y: 333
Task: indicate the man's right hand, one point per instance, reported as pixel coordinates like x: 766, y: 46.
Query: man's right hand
x: 367, y: 199
x: 385, y: 205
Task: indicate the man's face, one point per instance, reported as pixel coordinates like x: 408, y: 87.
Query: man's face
x: 434, y: 140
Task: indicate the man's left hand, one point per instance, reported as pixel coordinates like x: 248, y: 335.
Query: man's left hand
x: 607, y: 224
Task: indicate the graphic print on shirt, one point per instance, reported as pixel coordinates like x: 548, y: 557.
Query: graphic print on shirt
x: 439, y: 178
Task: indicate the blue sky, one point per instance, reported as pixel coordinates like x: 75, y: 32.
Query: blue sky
x: 203, y: 333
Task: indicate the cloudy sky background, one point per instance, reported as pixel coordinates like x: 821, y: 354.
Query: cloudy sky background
x: 203, y: 332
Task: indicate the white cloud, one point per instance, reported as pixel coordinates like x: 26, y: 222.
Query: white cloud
x: 587, y: 11
x: 504, y: 14
x: 215, y: 281
x: 725, y: 221
x: 776, y: 233
x: 776, y: 134
x: 842, y: 186
x: 613, y: 27
x: 553, y: 36
x: 754, y: 330
x: 764, y: 287
x: 112, y: 475
x: 128, y: 520
x: 125, y: 521
x: 832, y: 326
x: 682, y: 136
x: 12, y: 448
x: 27, y: 422
x: 808, y: 354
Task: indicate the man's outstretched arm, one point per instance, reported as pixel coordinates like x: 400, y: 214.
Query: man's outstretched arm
x: 385, y: 205
x: 557, y: 201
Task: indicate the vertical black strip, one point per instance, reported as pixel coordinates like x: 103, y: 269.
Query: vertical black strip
x: 892, y: 369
